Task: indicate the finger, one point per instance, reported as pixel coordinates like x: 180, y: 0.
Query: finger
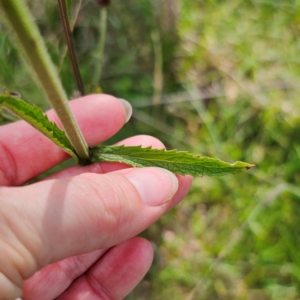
x: 54, y: 279
x: 26, y: 153
x: 106, y: 167
x: 82, y: 213
x: 116, y: 274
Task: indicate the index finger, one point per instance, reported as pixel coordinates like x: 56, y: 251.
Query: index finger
x: 26, y: 153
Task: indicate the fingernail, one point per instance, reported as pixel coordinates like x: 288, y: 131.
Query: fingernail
x: 156, y: 186
x: 128, y: 108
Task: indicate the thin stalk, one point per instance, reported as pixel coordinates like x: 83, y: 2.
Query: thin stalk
x: 65, y: 50
x: 158, y: 76
x: 100, y: 50
x: 70, y: 43
x: 30, y: 42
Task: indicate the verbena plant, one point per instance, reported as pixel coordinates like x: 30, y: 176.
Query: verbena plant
x: 32, y: 48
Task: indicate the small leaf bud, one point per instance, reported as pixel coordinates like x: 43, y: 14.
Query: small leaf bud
x: 103, y: 3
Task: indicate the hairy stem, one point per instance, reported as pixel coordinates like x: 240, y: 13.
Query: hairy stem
x: 31, y: 44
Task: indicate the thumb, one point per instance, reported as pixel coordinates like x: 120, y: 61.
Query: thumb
x: 55, y: 219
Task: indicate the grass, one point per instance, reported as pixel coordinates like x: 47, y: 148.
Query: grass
x: 218, y: 78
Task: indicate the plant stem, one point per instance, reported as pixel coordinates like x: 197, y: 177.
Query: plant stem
x: 100, y: 50
x: 31, y: 44
x: 158, y: 76
x: 70, y: 43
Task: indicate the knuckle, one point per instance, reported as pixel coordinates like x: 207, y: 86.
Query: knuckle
x: 107, y: 199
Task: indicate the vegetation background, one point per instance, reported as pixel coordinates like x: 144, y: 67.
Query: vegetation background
x: 218, y: 78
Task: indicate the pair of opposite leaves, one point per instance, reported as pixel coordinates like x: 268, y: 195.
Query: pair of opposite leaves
x: 179, y: 162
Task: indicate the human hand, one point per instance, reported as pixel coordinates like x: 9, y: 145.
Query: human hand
x: 72, y: 236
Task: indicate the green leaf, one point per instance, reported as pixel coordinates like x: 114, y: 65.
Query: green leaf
x: 35, y: 117
x: 179, y: 162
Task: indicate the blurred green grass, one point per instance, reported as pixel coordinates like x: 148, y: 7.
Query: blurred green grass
x: 218, y: 78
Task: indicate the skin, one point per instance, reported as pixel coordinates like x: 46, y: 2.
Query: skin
x: 73, y: 235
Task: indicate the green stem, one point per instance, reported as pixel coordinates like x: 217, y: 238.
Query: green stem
x: 30, y: 42
x: 100, y: 50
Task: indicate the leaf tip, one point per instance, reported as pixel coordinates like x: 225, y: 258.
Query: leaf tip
x: 249, y: 166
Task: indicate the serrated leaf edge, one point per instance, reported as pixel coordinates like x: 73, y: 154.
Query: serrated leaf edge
x: 96, y: 152
x: 9, y: 103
